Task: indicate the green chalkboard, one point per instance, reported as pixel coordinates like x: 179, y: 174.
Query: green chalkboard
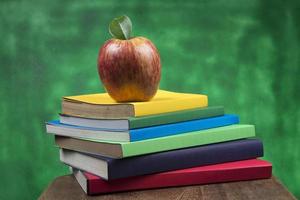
x: 243, y: 55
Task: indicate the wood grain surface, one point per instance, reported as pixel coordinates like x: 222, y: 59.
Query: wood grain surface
x: 66, y: 187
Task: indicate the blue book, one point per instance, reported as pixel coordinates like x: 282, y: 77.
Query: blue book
x: 57, y: 128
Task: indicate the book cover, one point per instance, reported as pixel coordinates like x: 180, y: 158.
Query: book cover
x: 219, y: 173
x: 133, y: 135
x: 128, y: 149
x: 103, y: 106
x: 144, y: 121
x: 110, y: 169
x: 182, y: 127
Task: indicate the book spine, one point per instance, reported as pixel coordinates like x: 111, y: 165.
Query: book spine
x: 185, y: 158
x: 182, y: 127
x: 162, y: 180
x: 173, y: 117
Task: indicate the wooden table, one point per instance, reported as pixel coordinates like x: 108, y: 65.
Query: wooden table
x: 66, y: 187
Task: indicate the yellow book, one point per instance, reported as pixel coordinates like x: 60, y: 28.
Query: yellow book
x: 100, y: 106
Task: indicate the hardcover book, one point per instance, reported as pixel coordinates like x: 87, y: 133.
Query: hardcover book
x: 103, y: 106
x: 128, y: 149
x: 219, y: 173
x: 145, y: 121
x: 58, y: 128
x: 110, y: 169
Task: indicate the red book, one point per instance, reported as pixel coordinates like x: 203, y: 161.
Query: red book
x: 226, y: 172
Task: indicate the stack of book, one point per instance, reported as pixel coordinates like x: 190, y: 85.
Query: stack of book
x: 175, y: 139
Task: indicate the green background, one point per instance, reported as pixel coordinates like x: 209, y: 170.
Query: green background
x: 242, y: 54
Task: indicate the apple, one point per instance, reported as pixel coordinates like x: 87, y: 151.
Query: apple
x: 129, y: 67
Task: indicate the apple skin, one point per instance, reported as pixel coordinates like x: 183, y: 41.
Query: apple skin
x: 129, y: 69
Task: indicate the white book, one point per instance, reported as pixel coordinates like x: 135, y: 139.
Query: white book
x: 57, y: 128
x: 112, y: 124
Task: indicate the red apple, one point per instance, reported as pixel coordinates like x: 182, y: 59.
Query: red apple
x: 130, y: 69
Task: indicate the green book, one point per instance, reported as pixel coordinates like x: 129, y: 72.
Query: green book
x: 128, y: 149
x: 173, y: 117
x: 145, y: 121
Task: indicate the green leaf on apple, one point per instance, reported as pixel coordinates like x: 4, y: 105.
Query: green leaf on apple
x: 121, y: 28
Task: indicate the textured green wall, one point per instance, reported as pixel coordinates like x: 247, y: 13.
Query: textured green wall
x: 243, y: 55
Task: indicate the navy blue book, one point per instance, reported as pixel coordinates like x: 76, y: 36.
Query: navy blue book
x: 110, y: 169
x: 58, y: 128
